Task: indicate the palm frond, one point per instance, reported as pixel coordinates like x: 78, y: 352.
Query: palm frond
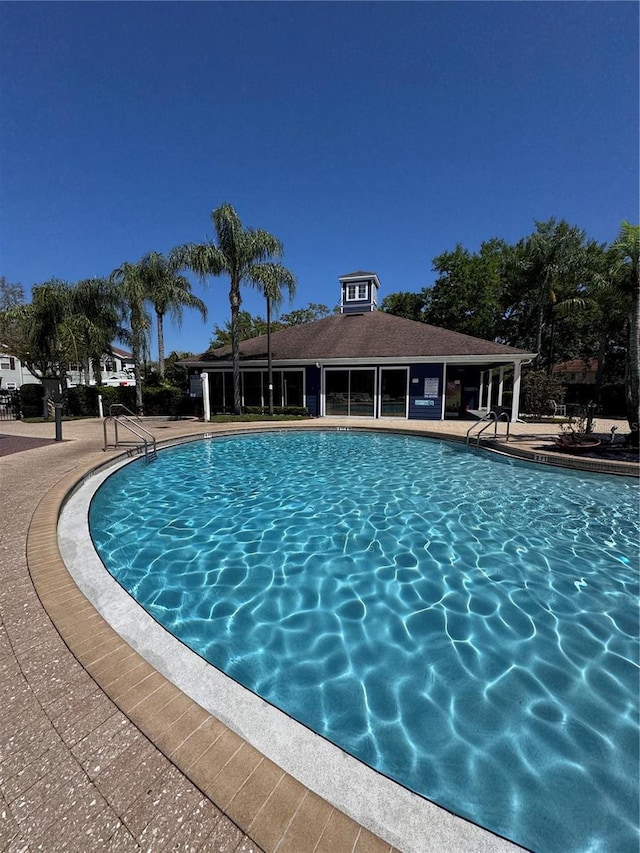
x: 203, y: 259
x: 272, y: 279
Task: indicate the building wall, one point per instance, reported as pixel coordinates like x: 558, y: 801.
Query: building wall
x: 425, y: 392
x: 113, y: 365
x: 427, y: 396
x: 13, y: 372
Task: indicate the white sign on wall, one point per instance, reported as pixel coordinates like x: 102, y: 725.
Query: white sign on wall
x: 431, y: 387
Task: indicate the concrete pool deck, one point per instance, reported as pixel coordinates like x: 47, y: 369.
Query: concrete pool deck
x: 88, y: 723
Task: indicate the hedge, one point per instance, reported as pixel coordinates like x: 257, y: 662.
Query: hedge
x: 163, y: 400
x: 83, y: 399
x: 166, y: 400
x: 31, y: 396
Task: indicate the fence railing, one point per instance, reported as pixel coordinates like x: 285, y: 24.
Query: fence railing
x: 9, y: 405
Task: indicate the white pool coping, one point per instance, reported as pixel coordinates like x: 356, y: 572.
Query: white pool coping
x: 406, y: 820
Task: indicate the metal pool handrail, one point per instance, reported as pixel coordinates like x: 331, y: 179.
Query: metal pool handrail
x: 491, y: 418
x: 147, y: 440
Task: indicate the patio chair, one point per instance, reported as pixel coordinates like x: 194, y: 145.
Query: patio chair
x: 559, y: 409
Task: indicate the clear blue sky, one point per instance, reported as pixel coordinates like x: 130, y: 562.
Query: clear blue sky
x: 364, y: 135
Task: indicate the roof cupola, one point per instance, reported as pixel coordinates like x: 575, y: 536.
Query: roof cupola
x: 359, y: 292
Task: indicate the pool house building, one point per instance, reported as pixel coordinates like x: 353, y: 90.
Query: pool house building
x: 362, y: 362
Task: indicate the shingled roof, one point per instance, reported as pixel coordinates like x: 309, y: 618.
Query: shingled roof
x: 372, y: 335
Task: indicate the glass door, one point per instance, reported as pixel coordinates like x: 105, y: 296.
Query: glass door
x: 362, y: 393
x: 393, y: 392
x: 337, y: 392
x: 350, y: 392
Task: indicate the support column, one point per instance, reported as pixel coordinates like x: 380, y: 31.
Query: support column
x: 500, y: 386
x: 481, y: 390
x: 489, y: 388
x: 205, y: 396
x: 444, y: 390
x: 515, y: 403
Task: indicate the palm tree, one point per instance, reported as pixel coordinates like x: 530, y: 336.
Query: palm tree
x: 35, y: 331
x: 98, y: 311
x: 169, y: 292
x: 244, y: 254
x: 615, y: 293
x: 131, y: 281
x: 271, y: 279
x: 556, y: 257
x: 627, y: 248
x: 611, y: 308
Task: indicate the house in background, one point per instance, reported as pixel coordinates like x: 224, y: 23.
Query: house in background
x: 117, y: 368
x: 366, y: 363
x: 583, y: 385
x: 13, y: 373
x: 577, y: 371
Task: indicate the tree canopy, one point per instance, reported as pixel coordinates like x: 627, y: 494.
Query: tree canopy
x: 63, y: 324
x: 10, y: 294
x: 532, y: 294
x: 405, y: 304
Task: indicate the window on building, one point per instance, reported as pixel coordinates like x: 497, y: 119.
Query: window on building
x: 356, y: 291
x: 221, y: 391
x: 293, y: 387
x: 252, y: 388
x: 7, y: 362
x: 288, y: 388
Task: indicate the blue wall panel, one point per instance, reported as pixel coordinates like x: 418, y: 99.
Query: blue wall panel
x: 429, y: 407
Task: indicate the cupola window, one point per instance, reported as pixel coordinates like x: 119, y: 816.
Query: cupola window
x: 356, y: 291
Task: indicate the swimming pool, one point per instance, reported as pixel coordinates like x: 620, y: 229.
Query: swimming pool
x: 464, y: 626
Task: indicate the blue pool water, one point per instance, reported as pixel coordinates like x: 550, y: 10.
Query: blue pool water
x: 466, y: 626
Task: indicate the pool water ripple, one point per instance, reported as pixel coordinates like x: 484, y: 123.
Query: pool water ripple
x: 466, y: 626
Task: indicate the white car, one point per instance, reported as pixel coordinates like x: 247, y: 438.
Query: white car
x: 121, y: 381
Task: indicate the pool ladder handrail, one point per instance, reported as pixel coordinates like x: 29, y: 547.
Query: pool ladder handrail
x: 147, y: 440
x: 491, y: 417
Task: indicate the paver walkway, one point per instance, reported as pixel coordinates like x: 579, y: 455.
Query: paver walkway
x: 75, y: 773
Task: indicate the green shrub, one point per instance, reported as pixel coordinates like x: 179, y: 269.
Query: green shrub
x: 31, y: 396
x: 538, y: 390
x: 121, y: 394
x: 162, y: 400
x: 82, y: 401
